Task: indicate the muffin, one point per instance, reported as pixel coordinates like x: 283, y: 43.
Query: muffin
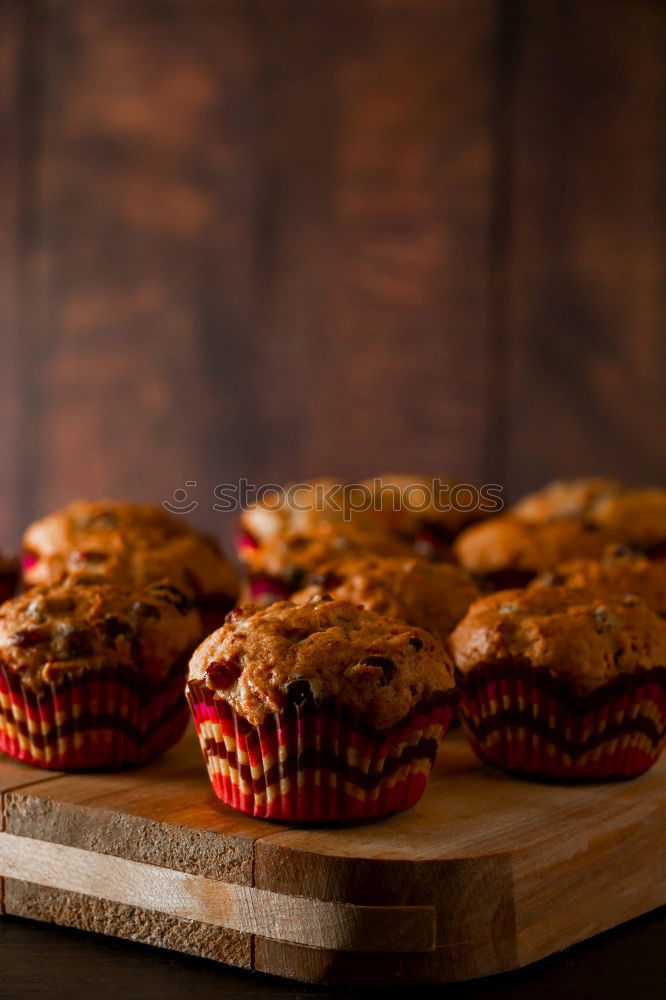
x: 620, y: 571
x: 92, y: 675
x: 427, y: 511
x: 130, y: 544
x: 635, y: 517
x: 9, y: 572
x: 300, y: 508
x: 562, y: 498
x: 319, y: 712
x: 561, y: 683
x: 505, y: 552
x: 432, y: 596
x: 282, y: 563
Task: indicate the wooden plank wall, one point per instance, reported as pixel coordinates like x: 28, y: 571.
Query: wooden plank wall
x: 275, y: 239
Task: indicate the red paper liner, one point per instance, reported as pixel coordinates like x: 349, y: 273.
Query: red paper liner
x: 317, y: 764
x: 246, y: 544
x: 526, y: 721
x: 100, y: 718
x: 263, y: 590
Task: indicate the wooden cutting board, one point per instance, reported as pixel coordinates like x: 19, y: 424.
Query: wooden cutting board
x: 486, y: 874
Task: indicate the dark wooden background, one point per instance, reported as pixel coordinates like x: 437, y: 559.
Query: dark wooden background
x: 275, y: 238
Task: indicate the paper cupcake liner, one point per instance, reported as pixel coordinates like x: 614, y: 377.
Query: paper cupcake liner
x: 101, y: 718
x: 263, y: 590
x: 317, y: 764
x: 529, y: 722
x: 245, y: 544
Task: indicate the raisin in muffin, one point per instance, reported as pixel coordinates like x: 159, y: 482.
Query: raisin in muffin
x: 635, y: 517
x: 321, y: 711
x: 9, y: 572
x: 505, y: 552
x: 281, y: 564
x: 427, y: 511
x: 432, y: 596
x: 92, y: 675
x: 130, y: 544
x: 620, y: 571
x: 559, y: 682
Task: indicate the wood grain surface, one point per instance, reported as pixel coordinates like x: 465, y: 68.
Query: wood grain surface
x: 279, y: 239
x: 485, y: 874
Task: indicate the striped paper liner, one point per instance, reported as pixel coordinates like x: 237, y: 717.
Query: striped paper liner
x: 314, y: 764
x: 95, y: 719
x: 530, y: 722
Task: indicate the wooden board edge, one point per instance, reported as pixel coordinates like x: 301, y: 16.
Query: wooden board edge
x: 298, y: 920
x: 100, y: 916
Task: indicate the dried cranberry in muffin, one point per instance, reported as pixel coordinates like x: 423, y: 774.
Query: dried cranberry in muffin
x: 130, y: 544
x: 560, y: 682
x: 92, y: 675
x: 350, y: 703
x: 433, y: 596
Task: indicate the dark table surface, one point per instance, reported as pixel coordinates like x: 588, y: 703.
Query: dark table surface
x: 40, y: 961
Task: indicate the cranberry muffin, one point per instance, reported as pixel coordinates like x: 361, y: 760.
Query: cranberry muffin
x: 92, y: 675
x: 9, y: 572
x: 562, y: 498
x: 620, y: 571
x: 282, y: 563
x: 427, y: 511
x: 300, y: 508
x: 130, y: 544
x: 505, y: 552
x: 635, y: 517
x: 558, y: 682
x: 432, y: 596
x: 319, y: 712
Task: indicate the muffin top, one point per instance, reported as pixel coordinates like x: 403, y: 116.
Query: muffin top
x: 129, y: 544
x: 379, y: 668
x: 586, y: 639
x: 60, y: 629
x: 636, y: 517
x: 504, y: 544
x: 300, y: 508
x: 562, y: 498
x: 620, y: 571
x: 292, y: 555
x: 432, y: 596
x: 407, y: 502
